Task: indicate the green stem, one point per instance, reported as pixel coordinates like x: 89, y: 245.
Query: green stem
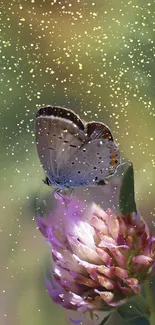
x: 152, y: 318
x: 151, y: 303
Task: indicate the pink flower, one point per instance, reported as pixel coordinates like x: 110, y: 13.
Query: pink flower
x: 99, y: 259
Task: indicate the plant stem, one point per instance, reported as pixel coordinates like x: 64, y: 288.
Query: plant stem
x: 152, y: 318
x: 151, y: 302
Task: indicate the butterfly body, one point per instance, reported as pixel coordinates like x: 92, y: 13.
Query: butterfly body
x: 73, y: 152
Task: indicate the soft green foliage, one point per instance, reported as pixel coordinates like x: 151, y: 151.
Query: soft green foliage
x: 127, y: 193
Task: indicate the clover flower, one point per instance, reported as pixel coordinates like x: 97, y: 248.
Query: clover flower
x: 99, y: 259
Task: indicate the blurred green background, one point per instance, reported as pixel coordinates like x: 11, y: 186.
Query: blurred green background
x: 97, y: 58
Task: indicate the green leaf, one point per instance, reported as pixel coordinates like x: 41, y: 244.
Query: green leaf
x: 105, y: 320
x: 141, y: 303
x: 127, y: 196
x: 129, y: 312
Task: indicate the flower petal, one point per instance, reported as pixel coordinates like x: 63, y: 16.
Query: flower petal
x: 84, y: 252
x: 109, y: 272
x: 66, y: 259
x: 106, y: 258
x: 133, y: 284
x: 119, y: 257
x: 107, y: 296
x: 42, y: 225
x: 105, y: 282
x: 99, y: 224
x: 142, y: 259
x: 113, y: 224
x: 120, y: 273
x: 81, y: 279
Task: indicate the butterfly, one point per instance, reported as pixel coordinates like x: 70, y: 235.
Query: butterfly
x: 73, y: 152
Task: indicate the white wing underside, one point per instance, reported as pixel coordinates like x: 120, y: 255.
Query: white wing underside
x: 57, y: 142
x: 68, y: 157
x: 91, y: 163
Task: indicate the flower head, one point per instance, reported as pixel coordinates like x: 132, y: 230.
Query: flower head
x: 99, y: 258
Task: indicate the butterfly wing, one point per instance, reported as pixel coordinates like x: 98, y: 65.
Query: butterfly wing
x: 59, y: 134
x: 96, y: 159
x: 98, y: 130
x: 72, y: 152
